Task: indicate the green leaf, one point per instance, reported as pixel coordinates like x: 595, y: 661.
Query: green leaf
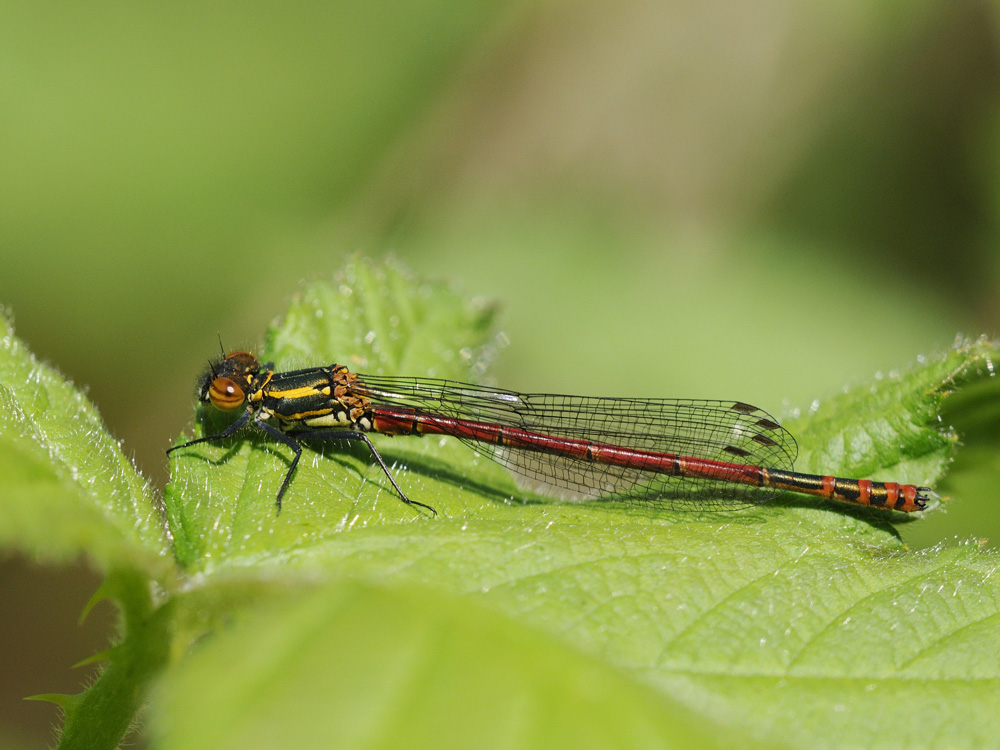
x: 891, y: 426
x: 800, y: 621
x: 380, y: 318
x: 354, y: 665
x: 67, y: 488
x: 68, y: 491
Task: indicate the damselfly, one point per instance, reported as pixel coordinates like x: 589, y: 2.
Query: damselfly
x: 684, y: 454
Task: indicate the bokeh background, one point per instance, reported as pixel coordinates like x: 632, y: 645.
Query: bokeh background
x: 759, y: 200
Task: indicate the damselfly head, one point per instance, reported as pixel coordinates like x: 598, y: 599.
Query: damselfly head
x: 227, y: 381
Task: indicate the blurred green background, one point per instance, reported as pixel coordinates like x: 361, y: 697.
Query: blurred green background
x: 758, y: 201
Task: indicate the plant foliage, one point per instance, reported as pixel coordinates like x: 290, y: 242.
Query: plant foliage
x: 505, y: 620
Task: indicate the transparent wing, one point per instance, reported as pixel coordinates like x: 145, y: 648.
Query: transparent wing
x: 726, y: 431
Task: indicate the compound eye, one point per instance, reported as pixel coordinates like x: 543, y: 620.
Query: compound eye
x: 225, y: 394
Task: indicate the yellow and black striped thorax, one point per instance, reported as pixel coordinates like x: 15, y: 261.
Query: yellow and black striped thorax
x: 315, y: 398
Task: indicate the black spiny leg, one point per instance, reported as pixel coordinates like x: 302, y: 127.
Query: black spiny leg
x: 228, y: 432
x: 356, y: 435
x: 291, y: 443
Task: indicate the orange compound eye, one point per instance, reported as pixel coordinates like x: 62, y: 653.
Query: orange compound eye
x: 225, y: 394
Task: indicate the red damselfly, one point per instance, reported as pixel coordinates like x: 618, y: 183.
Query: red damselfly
x: 681, y: 454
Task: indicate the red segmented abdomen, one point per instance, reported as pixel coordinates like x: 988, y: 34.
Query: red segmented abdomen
x: 403, y: 423
x: 888, y: 495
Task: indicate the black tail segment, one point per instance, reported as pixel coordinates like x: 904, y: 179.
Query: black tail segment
x: 906, y: 498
